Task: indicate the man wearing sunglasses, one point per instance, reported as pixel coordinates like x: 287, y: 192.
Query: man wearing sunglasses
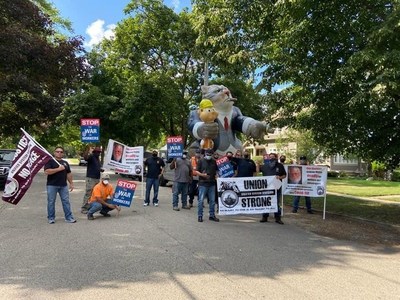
x: 58, y: 174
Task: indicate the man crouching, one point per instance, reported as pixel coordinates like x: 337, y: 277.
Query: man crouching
x: 101, y: 198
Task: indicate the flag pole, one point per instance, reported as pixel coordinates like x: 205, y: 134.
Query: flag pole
x: 40, y: 146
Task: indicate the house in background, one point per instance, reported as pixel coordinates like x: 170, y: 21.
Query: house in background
x: 335, y: 162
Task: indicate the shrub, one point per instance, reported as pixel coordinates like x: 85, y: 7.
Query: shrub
x: 334, y: 174
x: 396, y: 175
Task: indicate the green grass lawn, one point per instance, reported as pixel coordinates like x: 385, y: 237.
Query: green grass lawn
x: 371, y: 210
x: 363, y: 188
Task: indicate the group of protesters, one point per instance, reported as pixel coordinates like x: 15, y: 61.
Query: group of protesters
x: 195, y: 175
x: 98, y: 195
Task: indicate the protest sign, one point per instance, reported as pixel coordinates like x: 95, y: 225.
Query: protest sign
x: 90, y: 130
x: 124, y: 193
x: 225, y: 168
x: 124, y: 159
x: 247, y: 195
x: 304, y: 180
x: 174, y: 146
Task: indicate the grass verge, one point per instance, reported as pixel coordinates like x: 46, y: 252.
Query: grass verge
x: 363, y: 188
x: 370, y: 210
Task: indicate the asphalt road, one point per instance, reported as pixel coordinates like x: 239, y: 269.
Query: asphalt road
x: 157, y: 253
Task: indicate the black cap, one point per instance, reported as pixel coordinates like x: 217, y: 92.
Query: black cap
x: 303, y: 157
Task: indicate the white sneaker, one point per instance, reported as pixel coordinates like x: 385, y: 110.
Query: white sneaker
x: 155, y: 204
x: 51, y: 221
x: 72, y: 220
x: 145, y: 204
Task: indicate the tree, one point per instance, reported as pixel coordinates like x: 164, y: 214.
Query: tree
x: 338, y: 59
x: 37, y: 69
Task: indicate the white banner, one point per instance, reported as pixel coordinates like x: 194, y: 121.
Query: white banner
x: 303, y: 180
x: 123, y: 159
x: 247, y: 195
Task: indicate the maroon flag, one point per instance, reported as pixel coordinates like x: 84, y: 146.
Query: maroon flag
x: 29, y: 158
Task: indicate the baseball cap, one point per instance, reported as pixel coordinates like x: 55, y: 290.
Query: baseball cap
x: 97, y: 149
x: 303, y: 157
x: 105, y: 176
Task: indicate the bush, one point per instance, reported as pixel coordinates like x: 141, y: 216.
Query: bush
x: 333, y: 174
x: 396, y: 175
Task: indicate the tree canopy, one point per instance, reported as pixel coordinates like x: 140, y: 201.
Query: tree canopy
x: 37, y: 69
x: 339, y: 61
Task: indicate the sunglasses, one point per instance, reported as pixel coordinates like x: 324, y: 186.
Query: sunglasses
x: 59, y: 151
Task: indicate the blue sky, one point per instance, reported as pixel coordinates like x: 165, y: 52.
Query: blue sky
x: 95, y: 19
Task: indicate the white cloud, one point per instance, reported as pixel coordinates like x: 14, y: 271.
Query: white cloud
x: 176, y: 4
x: 97, y: 32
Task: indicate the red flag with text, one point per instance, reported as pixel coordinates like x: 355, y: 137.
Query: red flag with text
x: 29, y: 158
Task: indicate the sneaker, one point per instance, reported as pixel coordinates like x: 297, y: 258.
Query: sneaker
x: 200, y: 219
x: 215, y: 219
x: 155, y: 204
x: 51, y: 221
x: 279, y: 221
x: 264, y: 220
x: 145, y: 204
x: 90, y: 216
x: 176, y: 208
x: 294, y: 211
x: 185, y: 207
x: 84, y: 211
x: 105, y: 214
x: 191, y: 205
x: 310, y: 211
x: 72, y: 220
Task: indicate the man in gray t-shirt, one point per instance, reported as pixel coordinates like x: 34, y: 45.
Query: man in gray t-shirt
x: 183, y: 176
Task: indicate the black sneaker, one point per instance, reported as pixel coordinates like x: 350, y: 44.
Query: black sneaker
x: 264, y: 220
x: 279, y: 221
x: 215, y: 219
x: 90, y: 216
x: 294, y: 211
x: 185, y: 207
x: 200, y: 219
x: 105, y: 214
x: 310, y: 211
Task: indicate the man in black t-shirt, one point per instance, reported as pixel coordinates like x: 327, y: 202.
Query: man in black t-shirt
x: 273, y: 168
x: 207, y: 172
x: 58, y: 173
x: 93, y: 171
x: 245, y: 166
x: 155, y: 167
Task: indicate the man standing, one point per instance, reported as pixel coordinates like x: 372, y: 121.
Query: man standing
x: 155, y: 167
x: 207, y: 171
x: 296, y: 199
x: 183, y: 176
x: 273, y: 168
x: 246, y: 167
x: 193, y: 189
x: 101, y: 198
x: 92, y: 174
x: 57, y: 176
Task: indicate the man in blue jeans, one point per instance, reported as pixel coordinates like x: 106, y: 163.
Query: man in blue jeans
x: 207, y: 171
x: 58, y: 173
x: 182, y: 178
x: 155, y: 167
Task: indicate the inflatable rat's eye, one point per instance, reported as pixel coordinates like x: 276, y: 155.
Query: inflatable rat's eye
x: 209, y: 109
